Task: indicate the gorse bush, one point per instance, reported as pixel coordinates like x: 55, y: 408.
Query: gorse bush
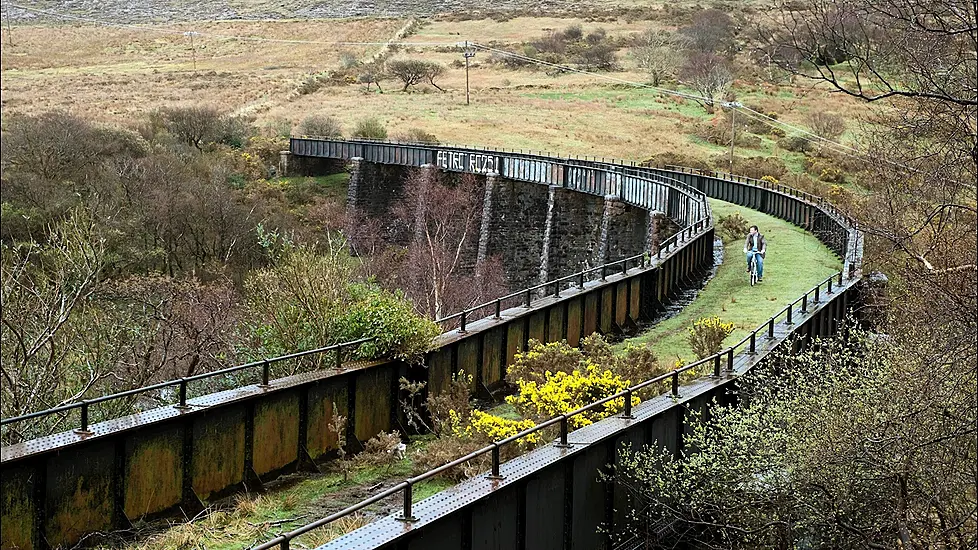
x: 562, y: 392
x: 732, y: 228
x: 494, y: 428
x: 369, y: 128
x: 707, y: 335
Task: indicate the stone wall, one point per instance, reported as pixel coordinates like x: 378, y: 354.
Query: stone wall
x: 519, y: 216
x: 575, y: 237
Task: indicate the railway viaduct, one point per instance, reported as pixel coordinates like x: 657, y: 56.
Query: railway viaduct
x: 579, y: 237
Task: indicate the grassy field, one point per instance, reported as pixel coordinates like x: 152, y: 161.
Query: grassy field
x: 795, y: 263
x: 117, y: 75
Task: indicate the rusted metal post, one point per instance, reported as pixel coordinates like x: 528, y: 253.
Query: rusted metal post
x: 265, y: 369
x: 563, y: 432
x: 461, y: 322
x: 84, y: 419
x: 675, y: 383
x: 408, y: 497
x: 557, y: 289
x: 183, y: 394
x: 339, y: 358
x: 498, y: 308
x: 529, y: 298
x: 495, y: 462
x: 627, y: 412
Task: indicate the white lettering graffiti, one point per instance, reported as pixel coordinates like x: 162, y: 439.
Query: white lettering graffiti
x: 465, y: 162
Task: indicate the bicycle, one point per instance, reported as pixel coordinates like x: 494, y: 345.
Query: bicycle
x: 753, y: 268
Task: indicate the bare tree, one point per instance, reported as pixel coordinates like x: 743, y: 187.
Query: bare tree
x: 441, y: 222
x: 709, y: 75
x: 193, y: 125
x: 433, y: 71
x: 415, y: 71
x: 711, y: 31
x: 659, y: 52
x: 408, y: 71
x: 369, y: 78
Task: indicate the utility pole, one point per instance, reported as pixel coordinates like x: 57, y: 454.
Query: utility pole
x: 467, y: 53
x: 733, y: 106
x: 10, y: 33
x: 193, y: 50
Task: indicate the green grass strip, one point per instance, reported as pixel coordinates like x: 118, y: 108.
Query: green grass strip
x: 796, y: 261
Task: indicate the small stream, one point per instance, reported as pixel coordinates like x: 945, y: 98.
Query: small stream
x: 687, y: 295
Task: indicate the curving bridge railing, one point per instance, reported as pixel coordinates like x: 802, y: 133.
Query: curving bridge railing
x: 270, y: 407
x: 818, y: 312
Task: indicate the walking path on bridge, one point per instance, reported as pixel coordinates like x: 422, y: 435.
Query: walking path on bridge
x: 796, y: 261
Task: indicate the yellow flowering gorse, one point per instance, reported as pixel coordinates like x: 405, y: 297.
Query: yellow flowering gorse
x: 563, y: 392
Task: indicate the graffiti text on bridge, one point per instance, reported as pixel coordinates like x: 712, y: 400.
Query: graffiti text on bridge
x: 475, y: 163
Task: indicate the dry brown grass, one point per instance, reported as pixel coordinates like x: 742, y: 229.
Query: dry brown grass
x: 117, y: 75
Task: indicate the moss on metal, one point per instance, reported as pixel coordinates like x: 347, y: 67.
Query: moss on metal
x: 153, y: 476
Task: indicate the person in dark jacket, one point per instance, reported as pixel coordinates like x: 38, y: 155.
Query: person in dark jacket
x: 755, y: 247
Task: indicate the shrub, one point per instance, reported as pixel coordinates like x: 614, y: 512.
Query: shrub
x: 731, y: 228
x: 415, y: 135
x: 707, y: 335
x: 562, y: 392
x: 759, y: 167
x: 825, y: 170
x: 320, y: 125
x: 797, y: 144
x: 541, y: 359
x: 309, y: 299
x: 827, y: 125
x: 494, y: 428
x: 369, y: 128
x: 446, y: 449
x: 380, y: 450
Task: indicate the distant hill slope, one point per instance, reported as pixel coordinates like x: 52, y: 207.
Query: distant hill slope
x: 160, y: 11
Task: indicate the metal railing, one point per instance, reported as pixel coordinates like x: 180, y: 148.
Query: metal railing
x: 748, y: 344
x: 578, y: 279
x: 182, y: 384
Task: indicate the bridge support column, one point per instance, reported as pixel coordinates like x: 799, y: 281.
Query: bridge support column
x: 547, y: 231
x: 612, y: 207
x: 356, y: 181
x: 654, y: 234
x: 283, y: 163
x: 492, y: 180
